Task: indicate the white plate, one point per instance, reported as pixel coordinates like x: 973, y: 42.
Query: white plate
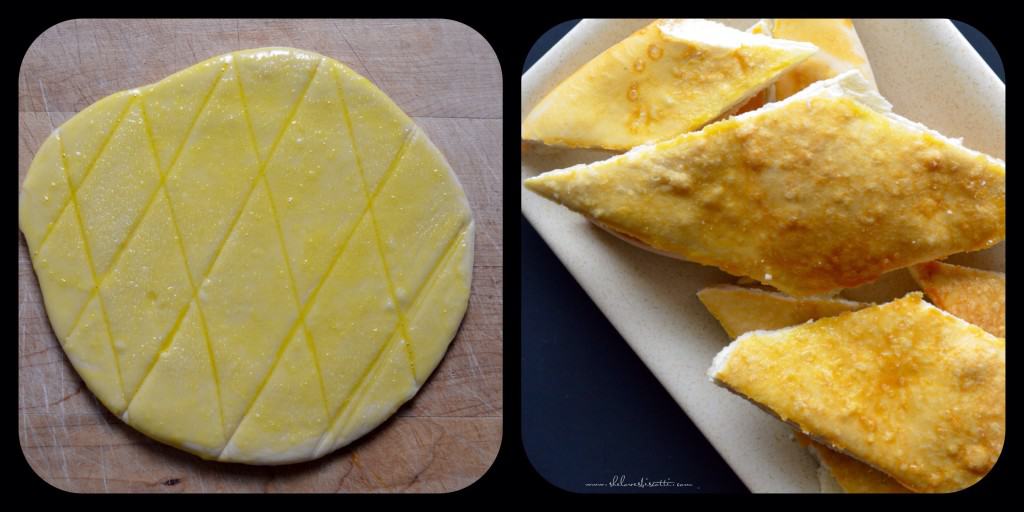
x: 930, y: 74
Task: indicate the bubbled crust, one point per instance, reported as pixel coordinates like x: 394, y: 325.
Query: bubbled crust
x: 808, y: 197
x: 904, y: 387
x: 652, y: 86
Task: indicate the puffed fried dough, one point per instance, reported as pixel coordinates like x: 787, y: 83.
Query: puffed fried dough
x: 905, y: 387
x: 667, y: 78
x: 977, y: 296
x: 814, y: 194
x: 742, y: 310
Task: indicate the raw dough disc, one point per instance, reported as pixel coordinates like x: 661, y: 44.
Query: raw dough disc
x: 257, y: 259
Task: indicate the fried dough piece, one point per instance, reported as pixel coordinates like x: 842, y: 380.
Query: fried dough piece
x: 977, y: 296
x: 822, y: 191
x: 667, y: 78
x: 905, y: 387
x: 839, y: 50
x: 740, y: 310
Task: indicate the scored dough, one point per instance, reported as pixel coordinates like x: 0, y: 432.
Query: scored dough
x: 257, y: 259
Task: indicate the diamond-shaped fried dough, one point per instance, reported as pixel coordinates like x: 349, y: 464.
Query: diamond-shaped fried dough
x: 822, y: 191
x: 905, y: 387
x: 839, y: 47
x: 766, y: 95
x: 741, y: 310
x: 667, y: 78
x: 839, y: 50
x: 847, y: 473
x: 978, y: 296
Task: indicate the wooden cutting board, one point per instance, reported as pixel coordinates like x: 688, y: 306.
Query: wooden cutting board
x: 447, y: 78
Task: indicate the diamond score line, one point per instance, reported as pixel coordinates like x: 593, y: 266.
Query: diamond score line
x: 261, y: 175
x: 88, y: 170
x: 284, y: 251
x: 234, y: 223
x: 306, y: 335
x: 180, y: 239
x: 402, y: 323
x: 424, y: 288
x: 92, y: 270
x: 163, y: 177
x: 161, y: 187
x: 337, y: 257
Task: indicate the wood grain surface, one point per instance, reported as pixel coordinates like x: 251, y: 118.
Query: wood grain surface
x: 447, y: 78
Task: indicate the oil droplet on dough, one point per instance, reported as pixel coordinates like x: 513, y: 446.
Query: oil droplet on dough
x: 634, y: 91
x: 654, y: 52
x: 639, y: 65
